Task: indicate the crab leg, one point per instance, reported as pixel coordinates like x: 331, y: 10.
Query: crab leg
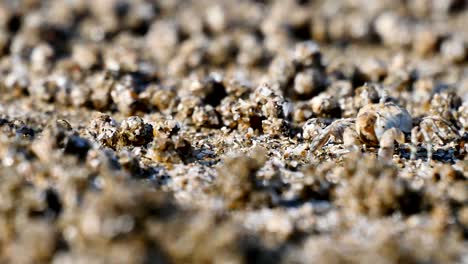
x: 351, y: 139
x: 428, y: 141
x: 335, y: 129
x: 321, y: 139
x: 414, y: 142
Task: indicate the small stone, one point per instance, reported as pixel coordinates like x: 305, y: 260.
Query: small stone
x: 308, y: 82
x: 134, y: 131
x: 41, y: 58
x: 454, y: 50
x: 308, y: 54
x: 86, y: 56
x: 325, y: 105
x: 425, y: 42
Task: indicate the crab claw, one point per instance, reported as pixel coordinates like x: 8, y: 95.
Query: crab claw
x: 387, y: 142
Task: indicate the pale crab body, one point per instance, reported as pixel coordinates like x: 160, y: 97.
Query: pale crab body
x: 374, y: 120
x: 375, y: 124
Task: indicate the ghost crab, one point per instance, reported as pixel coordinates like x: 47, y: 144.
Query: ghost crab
x: 379, y: 124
